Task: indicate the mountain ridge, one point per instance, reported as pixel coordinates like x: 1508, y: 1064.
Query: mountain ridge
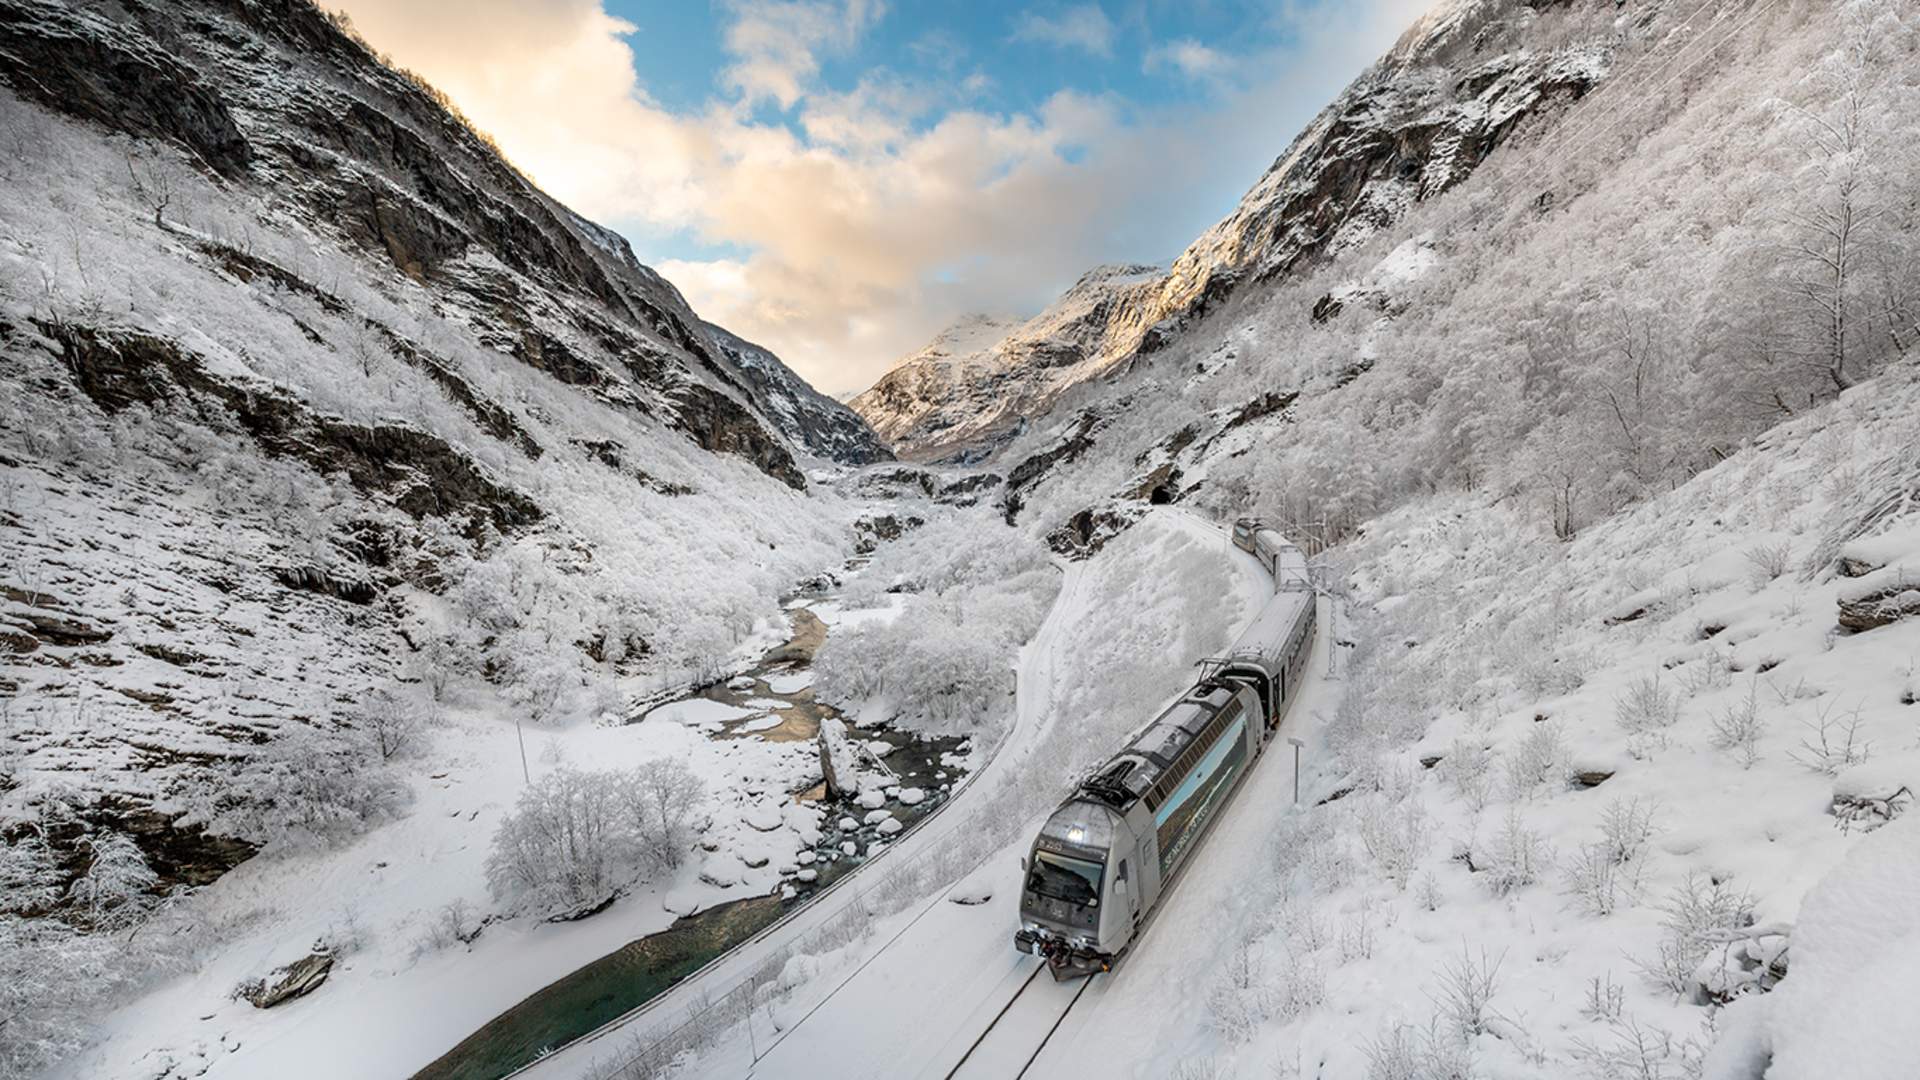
x: 1413, y: 125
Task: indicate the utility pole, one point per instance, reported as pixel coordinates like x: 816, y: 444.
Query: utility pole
x: 525, y: 773
x: 1297, y: 745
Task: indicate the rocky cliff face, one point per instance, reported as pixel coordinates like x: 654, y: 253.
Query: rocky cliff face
x: 276, y: 95
x: 980, y: 379
x: 827, y: 427
x: 1458, y: 84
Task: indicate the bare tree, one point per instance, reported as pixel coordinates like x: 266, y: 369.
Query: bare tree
x: 155, y: 184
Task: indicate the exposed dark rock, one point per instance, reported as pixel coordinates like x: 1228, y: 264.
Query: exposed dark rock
x: 74, y: 62
x: 180, y: 658
x: 824, y: 426
x: 871, y: 532
x: 1591, y: 777
x: 295, y: 980
x: 1881, y: 607
x: 179, y: 854
x: 1852, y: 567
x: 1086, y: 532
x: 317, y: 580
x: 420, y: 472
x: 609, y: 453
x: 968, y: 490
x: 719, y: 423
x: 50, y: 628
x: 1076, y: 443
x: 1159, y: 487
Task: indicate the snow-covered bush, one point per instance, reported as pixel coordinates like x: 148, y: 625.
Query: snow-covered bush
x: 306, y: 787
x: 115, y: 890
x: 576, y: 837
x: 1396, y: 837
x: 1467, y: 768
x: 1539, y: 760
x: 1646, y: 705
x: 1697, y: 912
x: 663, y: 798
x: 1738, y: 727
x: 1833, y: 743
x: 52, y: 978
x: 394, y: 726
x: 1518, y: 856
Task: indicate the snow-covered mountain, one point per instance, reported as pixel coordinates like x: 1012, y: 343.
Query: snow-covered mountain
x: 278, y: 95
x: 1458, y: 84
x: 313, y: 406
x: 981, y: 377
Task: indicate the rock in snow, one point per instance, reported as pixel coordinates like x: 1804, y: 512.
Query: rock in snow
x: 298, y: 979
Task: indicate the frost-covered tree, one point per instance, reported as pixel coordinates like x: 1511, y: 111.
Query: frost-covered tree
x: 576, y: 836
x: 663, y: 798
x: 117, y: 888
x: 307, y: 787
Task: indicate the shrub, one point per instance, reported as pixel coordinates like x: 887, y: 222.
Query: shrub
x: 1647, y: 706
x: 576, y: 837
x: 1696, y: 911
x: 1737, y: 728
x: 306, y: 788
x: 1518, y: 856
x: 1768, y: 561
x: 1541, y: 758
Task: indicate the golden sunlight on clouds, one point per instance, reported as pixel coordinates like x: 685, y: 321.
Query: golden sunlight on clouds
x: 852, y: 232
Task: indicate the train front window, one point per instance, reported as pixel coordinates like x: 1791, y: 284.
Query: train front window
x: 1061, y: 877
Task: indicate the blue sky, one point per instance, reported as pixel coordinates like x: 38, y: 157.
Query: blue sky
x: 1004, y: 57
x: 839, y: 179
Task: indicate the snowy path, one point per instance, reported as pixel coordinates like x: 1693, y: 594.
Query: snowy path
x: 917, y: 1006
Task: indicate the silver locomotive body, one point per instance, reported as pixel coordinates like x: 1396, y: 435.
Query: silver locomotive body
x: 1104, y: 860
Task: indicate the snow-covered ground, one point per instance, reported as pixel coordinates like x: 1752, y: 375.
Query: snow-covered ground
x: 393, y: 900
x: 1564, y: 801
x: 1133, y: 619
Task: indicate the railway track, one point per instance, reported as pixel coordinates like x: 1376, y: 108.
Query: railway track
x: 1014, y: 1039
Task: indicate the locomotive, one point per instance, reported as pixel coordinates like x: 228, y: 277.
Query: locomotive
x: 1105, y: 859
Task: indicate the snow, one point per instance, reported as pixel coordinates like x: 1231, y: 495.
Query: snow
x: 1846, y: 1008
x: 698, y: 713
x: 790, y: 684
x: 365, y: 1020
x: 912, y: 796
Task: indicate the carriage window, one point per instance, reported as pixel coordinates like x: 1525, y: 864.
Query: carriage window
x: 1074, y: 880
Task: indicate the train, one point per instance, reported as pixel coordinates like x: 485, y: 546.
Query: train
x: 1108, y: 855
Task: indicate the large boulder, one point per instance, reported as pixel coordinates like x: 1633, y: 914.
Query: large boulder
x: 282, y: 984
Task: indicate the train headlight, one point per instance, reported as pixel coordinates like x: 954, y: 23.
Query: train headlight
x: 1076, y: 834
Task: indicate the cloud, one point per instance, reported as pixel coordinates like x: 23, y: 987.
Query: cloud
x: 873, y: 216
x: 776, y: 44
x: 1083, y: 27
x: 1189, y: 57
